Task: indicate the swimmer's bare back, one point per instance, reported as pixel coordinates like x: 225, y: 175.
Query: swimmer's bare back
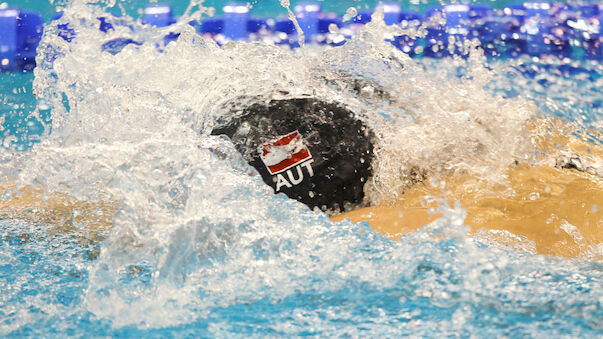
x: 61, y: 212
x: 555, y: 208
x: 555, y: 211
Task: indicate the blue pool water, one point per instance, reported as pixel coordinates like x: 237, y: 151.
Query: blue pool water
x: 20, y: 129
x: 199, y: 247
x: 380, y: 288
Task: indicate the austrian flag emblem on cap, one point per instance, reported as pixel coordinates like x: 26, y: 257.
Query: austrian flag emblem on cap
x: 284, y: 152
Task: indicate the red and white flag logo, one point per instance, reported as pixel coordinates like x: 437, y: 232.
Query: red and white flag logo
x: 284, y: 152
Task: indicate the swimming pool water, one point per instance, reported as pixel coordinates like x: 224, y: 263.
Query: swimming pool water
x: 199, y: 247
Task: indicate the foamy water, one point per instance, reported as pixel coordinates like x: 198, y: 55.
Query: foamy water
x: 197, y: 243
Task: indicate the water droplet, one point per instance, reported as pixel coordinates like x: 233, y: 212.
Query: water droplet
x: 333, y: 28
x: 351, y: 12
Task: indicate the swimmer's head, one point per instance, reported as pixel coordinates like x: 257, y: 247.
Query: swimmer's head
x: 313, y: 151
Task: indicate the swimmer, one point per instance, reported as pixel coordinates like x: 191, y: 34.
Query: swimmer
x: 322, y: 154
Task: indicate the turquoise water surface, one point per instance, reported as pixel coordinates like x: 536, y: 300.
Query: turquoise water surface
x: 199, y: 247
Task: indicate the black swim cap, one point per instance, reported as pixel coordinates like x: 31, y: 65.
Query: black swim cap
x: 316, y: 152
